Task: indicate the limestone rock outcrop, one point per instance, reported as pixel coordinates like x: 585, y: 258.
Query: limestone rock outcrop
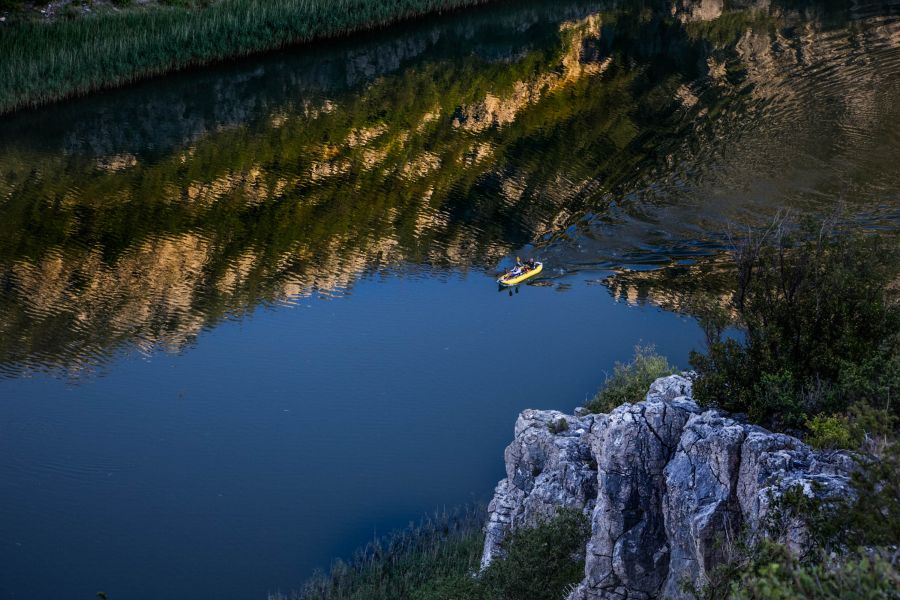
x: 666, y: 484
x: 548, y: 465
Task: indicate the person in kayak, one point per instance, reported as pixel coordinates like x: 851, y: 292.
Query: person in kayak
x: 521, y: 268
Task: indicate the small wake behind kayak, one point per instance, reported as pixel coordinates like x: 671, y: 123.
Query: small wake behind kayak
x: 516, y: 278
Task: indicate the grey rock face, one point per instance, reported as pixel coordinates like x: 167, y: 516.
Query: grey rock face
x: 700, y: 501
x: 548, y: 465
x: 667, y: 486
x: 628, y: 548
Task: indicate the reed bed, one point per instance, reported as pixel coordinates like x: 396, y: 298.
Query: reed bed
x: 439, y: 559
x: 446, y: 544
x: 41, y: 62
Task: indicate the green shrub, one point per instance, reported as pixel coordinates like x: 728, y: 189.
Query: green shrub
x: 862, y: 427
x: 873, y: 517
x: 821, y: 325
x: 829, y: 432
x: 439, y: 560
x: 768, y: 571
x: 629, y: 382
x: 779, y: 576
x: 540, y: 563
x: 442, y: 547
x: 871, y: 426
x: 558, y: 426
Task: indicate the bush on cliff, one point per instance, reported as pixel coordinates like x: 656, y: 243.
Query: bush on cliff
x: 850, y: 542
x: 821, y: 326
x: 776, y: 575
x: 629, y: 382
x: 820, y: 355
x: 873, y: 517
x: 540, y: 563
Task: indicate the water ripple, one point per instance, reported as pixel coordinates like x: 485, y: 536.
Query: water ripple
x: 127, y: 227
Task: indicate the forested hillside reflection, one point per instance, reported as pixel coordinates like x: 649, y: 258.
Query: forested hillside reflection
x: 606, y: 134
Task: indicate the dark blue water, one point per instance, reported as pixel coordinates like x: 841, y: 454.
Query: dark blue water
x: 248, y: 316
x: 289, y: 437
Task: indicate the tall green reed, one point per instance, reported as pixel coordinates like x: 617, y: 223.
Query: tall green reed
x: 445, y: 544
x: 42, y: 62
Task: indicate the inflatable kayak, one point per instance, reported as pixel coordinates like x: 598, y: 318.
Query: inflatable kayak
x: 517, y: 278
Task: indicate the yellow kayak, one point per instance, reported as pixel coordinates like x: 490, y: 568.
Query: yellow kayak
x: 510, y: 279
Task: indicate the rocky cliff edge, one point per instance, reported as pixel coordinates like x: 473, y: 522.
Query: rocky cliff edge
x: 667, y: 486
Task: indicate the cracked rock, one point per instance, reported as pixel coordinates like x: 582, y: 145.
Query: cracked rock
x: 666, y: 485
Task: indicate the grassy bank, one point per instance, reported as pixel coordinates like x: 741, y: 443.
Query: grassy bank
x: 439, y: 560
x: 444, y: 545
x: 41, y: 62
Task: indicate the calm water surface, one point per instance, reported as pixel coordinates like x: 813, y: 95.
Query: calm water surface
x: 247, y: 313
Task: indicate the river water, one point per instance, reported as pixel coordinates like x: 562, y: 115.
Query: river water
x: 248, y: 316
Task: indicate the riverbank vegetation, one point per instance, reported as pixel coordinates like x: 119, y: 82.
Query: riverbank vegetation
x: 629, y: 381
x: 45, y: 60
x: 851, y: 551
x: 816, y: 354
x: 439, y: 560
x: 819, y: 357
x: 540, y: 563
x: 820, y: 351
x: 402, y: 565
